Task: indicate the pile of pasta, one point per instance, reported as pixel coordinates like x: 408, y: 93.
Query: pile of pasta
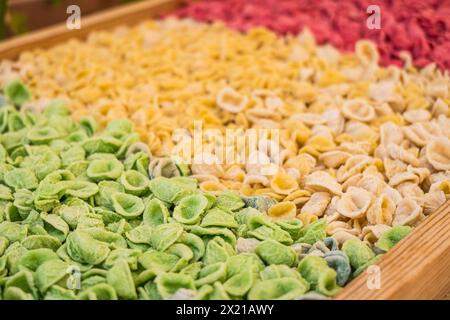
x: 82, y: 217
x: 422, y: 30
x: 365, y: 147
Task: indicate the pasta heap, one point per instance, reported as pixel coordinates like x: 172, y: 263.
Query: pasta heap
x: 422, y: 30
x: 81, y: 217
x: 364, y: 147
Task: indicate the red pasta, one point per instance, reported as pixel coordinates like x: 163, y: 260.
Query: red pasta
x: 421, y: 27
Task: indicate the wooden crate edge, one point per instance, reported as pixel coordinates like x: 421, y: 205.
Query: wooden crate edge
x: 425, y: 274
x: 125, y: 14
x: 417, y: 268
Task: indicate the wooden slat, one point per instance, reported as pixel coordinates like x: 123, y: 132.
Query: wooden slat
x: 127, y: 14
x: 416, y: 268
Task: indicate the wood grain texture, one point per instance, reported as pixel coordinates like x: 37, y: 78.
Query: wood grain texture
x: 417, y: 268
x: 47, y: 37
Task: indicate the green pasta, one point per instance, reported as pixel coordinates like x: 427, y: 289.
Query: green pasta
x: 391, y: 237
x: 319, y: 275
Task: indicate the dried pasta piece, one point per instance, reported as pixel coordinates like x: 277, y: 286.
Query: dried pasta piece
x: 155, y: 213
x: 307, y: 218
x: 313, y: 232
x: 283, y: 184
x: 398, y: 153
x: 415, y: 116
x: 438, y: 153
x: 120, y: 278
x: 229, y: 200
x: 282, y: 210
x: 261, y: 203
x: 230, y: 100
x: 390, y: 133
x: 334, y: 159
x: 82, y: 247
x: 107, y: 169
x: 169, y: 283
x: 211, y: 273
x: 164, y: 235
x: 381, y: 211
x: 127, y: 205
x: 354, y: 203
x: 218, y: 218
x: 299, y: 197
x: 212, y: 187
x: 21, y: 178
x: 163, y: 167
x: 273, y: 252
x: 371, y: 233
x: 317, y: 204
x: 354, y: 165
x: 134, y: 182
x: 339, y: 261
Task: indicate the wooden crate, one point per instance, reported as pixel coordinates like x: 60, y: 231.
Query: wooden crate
x: 417, y: 268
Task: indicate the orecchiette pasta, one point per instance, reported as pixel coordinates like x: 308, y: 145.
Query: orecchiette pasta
x: 132, y: 235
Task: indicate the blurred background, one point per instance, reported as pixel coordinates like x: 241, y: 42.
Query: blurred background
x: 20, y: 16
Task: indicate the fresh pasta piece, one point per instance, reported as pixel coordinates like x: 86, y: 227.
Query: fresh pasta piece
x: 322, y: 181
x: 317, y: 204
x: 354, y: 203
x: 392, y: 236
x: 313, y: 232
x: 273, y: 252
x: 339, y: 261
x: 317, y: 273
x: 190, y: 209
x: 407, y: 213
x: 437, y: 153
x: 358, y: 252
x: 283, y: 183
x: 120, y: 278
